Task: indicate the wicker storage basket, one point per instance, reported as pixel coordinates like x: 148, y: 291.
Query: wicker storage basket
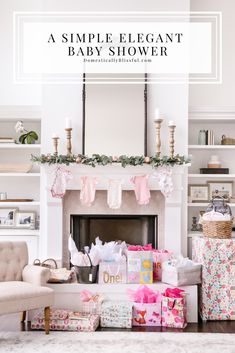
x: 217, y: 229
x: 227, y: 140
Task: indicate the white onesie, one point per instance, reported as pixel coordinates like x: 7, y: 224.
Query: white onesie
x: 114, y: 194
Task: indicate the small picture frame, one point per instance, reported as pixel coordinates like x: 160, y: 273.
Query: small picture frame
x: 222, y: 189
x: 25, y: 220
x: 7, y: 217
x: 198, y: 192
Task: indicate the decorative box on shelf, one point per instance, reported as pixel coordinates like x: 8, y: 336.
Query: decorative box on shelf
x: 116, y: 314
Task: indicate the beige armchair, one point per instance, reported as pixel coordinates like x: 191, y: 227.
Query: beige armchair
x: 22, y: 285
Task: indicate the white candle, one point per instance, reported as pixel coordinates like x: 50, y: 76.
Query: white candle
x: 68, y: 124
x: 157, y: 113
x: 55, y: 135
x: 171, y: 123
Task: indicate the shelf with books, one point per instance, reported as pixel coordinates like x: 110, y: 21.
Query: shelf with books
x: 20, y: 187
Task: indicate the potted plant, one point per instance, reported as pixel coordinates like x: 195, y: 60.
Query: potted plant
x: 27, y: 137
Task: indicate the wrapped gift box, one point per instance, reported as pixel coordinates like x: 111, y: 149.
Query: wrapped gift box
x: 217, y: 291
x: 116, y: 314
x: 67, y: 321
x: 181, y: 276
x: 146, y: 314
x: 140, y: 267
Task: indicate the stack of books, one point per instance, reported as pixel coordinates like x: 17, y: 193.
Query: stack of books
x: 210, y: 137
x: 7, y: 140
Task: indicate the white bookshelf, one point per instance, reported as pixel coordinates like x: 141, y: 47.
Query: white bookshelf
x: 221, y: 122
x: 20, y: 185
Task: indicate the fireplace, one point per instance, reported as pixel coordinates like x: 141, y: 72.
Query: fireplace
x: 133, y: 229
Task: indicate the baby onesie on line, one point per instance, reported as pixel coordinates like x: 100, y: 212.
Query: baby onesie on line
x: 62, y: 176
x: 114, y: 194
x: 88, y: 189
x: 142, y: 192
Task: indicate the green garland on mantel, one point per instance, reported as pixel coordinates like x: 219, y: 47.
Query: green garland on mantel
x: 103, y: 160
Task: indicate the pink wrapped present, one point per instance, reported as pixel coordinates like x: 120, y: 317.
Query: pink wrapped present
x: 147, y: 306
x: 146, y: 314
x: 174, y: 308
x: 73, y: 322
x: 217, y: 291
x: 159, y: 256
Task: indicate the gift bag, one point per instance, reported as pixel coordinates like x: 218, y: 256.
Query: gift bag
x: 140, y: 266
x: 174, y: 309
x: 159, y: 256
x: 112, y: 272
x: 146, y: 314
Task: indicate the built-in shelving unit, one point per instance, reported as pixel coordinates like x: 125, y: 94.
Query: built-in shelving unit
x: 222, y: 122
x: 20, y: 186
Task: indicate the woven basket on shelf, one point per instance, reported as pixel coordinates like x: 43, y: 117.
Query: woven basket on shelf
x: 227, y: 140
x: 217, y: 229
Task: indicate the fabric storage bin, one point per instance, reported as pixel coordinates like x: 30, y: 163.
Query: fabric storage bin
x: 140, y: 267
x: 146, y: 314
x: 174, y: 312
x: 112, y: 272
x: 181, y: 276
x: 217, y: 291
x: 116, y: 314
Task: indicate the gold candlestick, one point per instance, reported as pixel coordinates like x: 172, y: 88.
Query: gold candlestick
x: 158, y: 136
x: 69, y: 138
x: 55, y: 144
x: 172, y: 140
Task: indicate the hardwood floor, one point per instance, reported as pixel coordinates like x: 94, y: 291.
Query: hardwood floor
x: 12, y: 323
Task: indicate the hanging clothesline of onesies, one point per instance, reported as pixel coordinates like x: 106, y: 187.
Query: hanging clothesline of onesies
x: 114, y: 186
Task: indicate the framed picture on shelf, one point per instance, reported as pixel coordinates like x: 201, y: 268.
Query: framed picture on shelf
x: 7, y: 217
x: 198, y: 193
x: 25, y: 220
x: 220, y: 189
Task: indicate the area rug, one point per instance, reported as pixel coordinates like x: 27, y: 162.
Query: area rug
x: 116, y: 342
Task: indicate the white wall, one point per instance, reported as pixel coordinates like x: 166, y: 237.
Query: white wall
x: 221, y: 95
x: 11, y: 94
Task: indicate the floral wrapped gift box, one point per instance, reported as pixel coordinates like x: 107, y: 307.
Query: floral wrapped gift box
x: 116, y: 314
x: 217, y: 291
x: 66, y: 320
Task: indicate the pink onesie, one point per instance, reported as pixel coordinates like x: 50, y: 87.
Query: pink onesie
x: 142, y: 192
x: 62, y: 176
x: 88, y: 188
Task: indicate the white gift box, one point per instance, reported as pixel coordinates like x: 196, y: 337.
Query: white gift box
x: 181, y: 276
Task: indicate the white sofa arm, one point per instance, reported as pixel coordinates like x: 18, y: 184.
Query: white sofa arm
x: 36, y: 275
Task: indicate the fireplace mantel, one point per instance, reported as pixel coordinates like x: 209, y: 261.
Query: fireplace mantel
x: 52, y: 208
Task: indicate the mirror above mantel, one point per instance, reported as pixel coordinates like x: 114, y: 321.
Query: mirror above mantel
x: 115, y: 116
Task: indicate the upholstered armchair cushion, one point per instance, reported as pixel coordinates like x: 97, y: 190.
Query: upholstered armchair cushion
x: 36, y: 275
x: 20, y: 296
x: 13, y: 258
